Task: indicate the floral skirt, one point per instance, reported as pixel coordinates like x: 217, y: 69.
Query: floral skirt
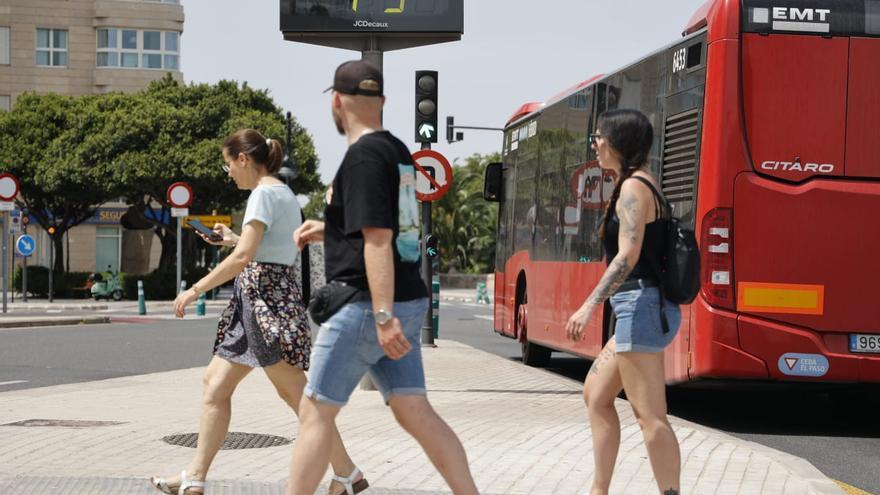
x: 265, y: 321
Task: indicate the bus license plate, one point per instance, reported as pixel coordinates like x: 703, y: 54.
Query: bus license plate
x: 864, y: 343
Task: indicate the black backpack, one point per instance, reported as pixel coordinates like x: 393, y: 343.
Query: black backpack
x: 679, y: 273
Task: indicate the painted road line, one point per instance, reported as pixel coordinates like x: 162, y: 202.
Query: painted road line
x: 485, y: 317
x: 13, y: 382
x: 851, y: 490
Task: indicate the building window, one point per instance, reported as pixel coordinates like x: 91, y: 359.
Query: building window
x: 135, y: 49
x: 5, y: 103
x: 52, y: 47
x: 108, y: 249
x: 4, y: 46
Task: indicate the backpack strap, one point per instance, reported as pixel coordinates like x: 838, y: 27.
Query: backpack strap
x: 658, y: 198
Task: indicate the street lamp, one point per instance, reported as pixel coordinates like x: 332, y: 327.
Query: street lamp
x: 288, y: 170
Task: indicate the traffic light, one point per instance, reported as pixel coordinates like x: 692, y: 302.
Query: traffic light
x: 432, y: 246
x: 450, y: 129
x: 51, y: 231
x: 426, y: 106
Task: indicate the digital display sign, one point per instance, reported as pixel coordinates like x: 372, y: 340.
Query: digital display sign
x: 371, y: 17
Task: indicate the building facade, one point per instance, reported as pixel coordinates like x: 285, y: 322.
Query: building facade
x: 78, y: 47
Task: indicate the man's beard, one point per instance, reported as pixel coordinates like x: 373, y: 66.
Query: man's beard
x: 338, y: 122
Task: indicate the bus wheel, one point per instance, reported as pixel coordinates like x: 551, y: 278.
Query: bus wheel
x: 532, y: 354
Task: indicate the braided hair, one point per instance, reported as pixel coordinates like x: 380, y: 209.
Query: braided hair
x: 630, y: 134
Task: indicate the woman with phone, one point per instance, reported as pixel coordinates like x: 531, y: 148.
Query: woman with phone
x: 265, y: 323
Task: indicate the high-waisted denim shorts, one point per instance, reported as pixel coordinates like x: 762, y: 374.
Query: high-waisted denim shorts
x: 638, y: 327
x: 347, y: 347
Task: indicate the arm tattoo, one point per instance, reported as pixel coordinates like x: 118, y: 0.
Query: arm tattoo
x: 632, y: 229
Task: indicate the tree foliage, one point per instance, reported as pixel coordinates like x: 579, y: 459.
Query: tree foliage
x: 72, y: 154
x: 45, y: 142
x: 464, y: 223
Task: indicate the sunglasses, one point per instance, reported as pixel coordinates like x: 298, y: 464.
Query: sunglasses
x: 594, y: 138
x: 225, y: 168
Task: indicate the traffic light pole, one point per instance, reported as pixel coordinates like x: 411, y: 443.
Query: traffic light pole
x: 427, y: 269
x: 51, y: 262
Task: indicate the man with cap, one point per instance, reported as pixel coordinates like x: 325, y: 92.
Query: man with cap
x: 371, y: 242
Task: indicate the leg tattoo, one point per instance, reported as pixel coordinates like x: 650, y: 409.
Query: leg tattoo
x: 600, y: 361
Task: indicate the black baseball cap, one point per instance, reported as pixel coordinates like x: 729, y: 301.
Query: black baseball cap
x: 357, y: 77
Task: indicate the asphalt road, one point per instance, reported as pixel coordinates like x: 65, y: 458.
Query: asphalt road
x: 839, y: 433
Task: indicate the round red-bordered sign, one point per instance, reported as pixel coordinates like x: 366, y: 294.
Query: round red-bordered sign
x: 433, y: 175
x: 9, y: 187
x: 179, y: 195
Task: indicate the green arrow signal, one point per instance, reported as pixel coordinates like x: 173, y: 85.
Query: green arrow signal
x: 426, y: 130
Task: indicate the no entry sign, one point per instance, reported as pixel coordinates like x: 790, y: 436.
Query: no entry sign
x: 180, y: 195
x: 8, y: 187
x: 433, y: 175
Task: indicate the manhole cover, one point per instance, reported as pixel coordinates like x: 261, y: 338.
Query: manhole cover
x: 234, y: 440
x: 63, y: 423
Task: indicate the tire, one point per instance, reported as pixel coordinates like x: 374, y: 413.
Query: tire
x: 96, y: 297
x: 532, y: 354
x: 117, y: 295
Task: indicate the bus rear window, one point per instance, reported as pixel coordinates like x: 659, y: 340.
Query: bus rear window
x: 872, y: 17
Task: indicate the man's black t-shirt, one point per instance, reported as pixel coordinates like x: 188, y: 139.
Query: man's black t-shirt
x: 374, y: 187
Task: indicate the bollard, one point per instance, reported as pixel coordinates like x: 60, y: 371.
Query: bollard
x: 142, y: 302
x: 435, y: 306
x: 200, y: 305
x: 482, y: 293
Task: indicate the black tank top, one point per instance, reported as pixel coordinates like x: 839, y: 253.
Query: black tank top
x: 653, y: 244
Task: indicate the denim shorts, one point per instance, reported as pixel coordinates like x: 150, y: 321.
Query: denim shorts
x: 638, y: 327
x: 347, y: 347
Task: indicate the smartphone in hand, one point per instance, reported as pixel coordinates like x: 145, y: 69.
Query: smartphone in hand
x: 204, y: 230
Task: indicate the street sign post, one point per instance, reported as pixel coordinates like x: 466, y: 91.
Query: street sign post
x: 433, y: 180
x: 25, y: 246
x: 179, y: 196
x: 8, y: 191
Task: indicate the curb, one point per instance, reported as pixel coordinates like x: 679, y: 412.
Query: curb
x: 80, y: 320
x: 462, y: 299
x: 63, y: 307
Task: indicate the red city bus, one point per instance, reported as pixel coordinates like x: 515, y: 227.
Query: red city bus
x: 767, y: 142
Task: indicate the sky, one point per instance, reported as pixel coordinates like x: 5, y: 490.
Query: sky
x: 512, y: 52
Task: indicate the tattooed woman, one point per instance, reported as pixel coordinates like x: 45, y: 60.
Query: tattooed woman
x: 633, y: 233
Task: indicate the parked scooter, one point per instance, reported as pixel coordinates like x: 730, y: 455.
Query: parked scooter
x: 106, y: 286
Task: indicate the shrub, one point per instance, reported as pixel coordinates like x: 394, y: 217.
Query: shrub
x: 160, y: 284
x: 64, y: 285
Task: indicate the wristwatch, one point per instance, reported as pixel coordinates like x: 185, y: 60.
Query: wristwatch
x: 382, y: 317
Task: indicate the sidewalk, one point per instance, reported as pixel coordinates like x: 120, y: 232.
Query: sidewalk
x: 525, y: 431
x: 88, y: 312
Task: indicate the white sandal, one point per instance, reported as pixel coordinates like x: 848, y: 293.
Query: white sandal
x: 161, y: 484
x: 352, y: 487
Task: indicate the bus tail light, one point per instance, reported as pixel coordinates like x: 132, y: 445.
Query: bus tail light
x: 716, y: 244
